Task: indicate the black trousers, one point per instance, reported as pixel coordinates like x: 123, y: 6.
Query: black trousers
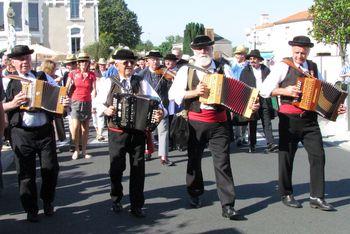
x: 218, y: 136
x: 292, y: 130
x: 27, y: 143
x: 264, y: 115
x: 119, y: 145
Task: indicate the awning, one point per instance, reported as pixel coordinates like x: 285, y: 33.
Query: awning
x: 267, y: 55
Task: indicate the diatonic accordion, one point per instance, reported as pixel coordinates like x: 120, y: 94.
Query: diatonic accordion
x: 233, y: 94
x: 135, y: 112
x: 319, y: 96
x: 42, y: 95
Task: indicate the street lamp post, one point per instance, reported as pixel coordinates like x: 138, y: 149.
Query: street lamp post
x: 254, y: 39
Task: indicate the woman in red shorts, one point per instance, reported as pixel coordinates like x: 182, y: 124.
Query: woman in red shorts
x: 84, y: 87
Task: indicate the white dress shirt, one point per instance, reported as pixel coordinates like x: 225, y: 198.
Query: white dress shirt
x: 258, y: 77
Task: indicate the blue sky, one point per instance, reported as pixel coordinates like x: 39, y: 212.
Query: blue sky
x: 229, y: 18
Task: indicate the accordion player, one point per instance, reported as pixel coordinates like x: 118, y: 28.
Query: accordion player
x: 233, y: 94
x: 135, y: 112
x: 319, y: 96
x: 42, y: 95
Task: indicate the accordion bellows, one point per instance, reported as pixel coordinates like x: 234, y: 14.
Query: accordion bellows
x: 135, y: 112
x: 319, y: 96
x: 233, y: 94
x: 42, y: 95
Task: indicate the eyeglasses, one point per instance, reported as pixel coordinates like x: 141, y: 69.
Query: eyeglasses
x: 126, y: 62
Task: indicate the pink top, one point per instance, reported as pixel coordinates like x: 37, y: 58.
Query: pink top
x: 83, y: 85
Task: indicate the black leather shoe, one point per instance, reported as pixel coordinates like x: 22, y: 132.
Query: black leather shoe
x: 272, y: 148
x: 318, y: 203
x: 195, y: 202
x: 167, y: 163
x: 148, y: 157
x: 117, y: 207
x: 289, y: 200
x: 252, y: 149
x: 137, y: 212
x: 230, y: 212
x: 33, y: 217
x: 48, y: 209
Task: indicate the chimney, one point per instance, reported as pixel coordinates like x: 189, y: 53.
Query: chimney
x: 209, y: 32
x: 264, y: 19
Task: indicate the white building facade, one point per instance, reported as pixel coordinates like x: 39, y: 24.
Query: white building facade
x: 271, y: 38
x: 62, y: 25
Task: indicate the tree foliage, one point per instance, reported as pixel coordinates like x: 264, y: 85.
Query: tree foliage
x: 331, y: 23
x: 145, y: 46
x: 101, y: 48
x: 118, y: 23
x: 165, y: 47
x: 191, y: 31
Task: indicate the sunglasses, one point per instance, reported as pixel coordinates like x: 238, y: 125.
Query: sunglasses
x: 126, y: 62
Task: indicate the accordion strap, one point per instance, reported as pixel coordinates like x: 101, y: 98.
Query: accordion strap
x: 16, y: 77
x: 292, y: 65
x: 117, y: 82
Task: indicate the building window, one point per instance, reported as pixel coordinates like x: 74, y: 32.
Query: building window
x: 17, y: 8
x: 75, y: 40
x: 74, y: 9
x: 2, y: 26
x: 33, y: 16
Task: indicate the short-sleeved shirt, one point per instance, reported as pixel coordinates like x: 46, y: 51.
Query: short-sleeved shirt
x: 83, y: 85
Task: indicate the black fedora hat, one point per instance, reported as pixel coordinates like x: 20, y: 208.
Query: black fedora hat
x: 170, y: 57
x: 154, y: 54
x: 19, y: 50
x: 255, y: 54
x: 201, y: 41
x: 124, y: 54
x: 302, y: 41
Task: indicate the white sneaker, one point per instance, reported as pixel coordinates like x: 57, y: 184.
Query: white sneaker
x: 75, y: 155
x: 88, y: 156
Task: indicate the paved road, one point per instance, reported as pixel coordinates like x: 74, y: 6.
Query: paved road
x: 83, y: 205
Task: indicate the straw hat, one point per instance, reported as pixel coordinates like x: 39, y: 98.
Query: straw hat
x: 240, y: 50
x: 102, y: 61
x: 83, y: 57
x: 70, y: 58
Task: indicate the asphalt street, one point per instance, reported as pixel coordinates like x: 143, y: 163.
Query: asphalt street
x: 83, y: 204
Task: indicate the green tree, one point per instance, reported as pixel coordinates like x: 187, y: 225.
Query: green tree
x: 331, y: 23
x: 145, y: 46
x: 118, y: 23
x: 191, y: 31
x: 166, y: 46
x: 101, y: 48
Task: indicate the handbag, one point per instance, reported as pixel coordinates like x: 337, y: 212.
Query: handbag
x: 179, y: 130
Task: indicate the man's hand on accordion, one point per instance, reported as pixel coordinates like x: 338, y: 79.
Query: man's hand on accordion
x: 109, y: 111
x: 158, y: 115
x: 292, y: 91
x: 256, y: 105
x: 65, y: 101
x: 202, y: 89
x: 18, y: 100
x: 341, y: 109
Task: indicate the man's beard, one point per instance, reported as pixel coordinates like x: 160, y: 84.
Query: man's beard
x: 203, y: 61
